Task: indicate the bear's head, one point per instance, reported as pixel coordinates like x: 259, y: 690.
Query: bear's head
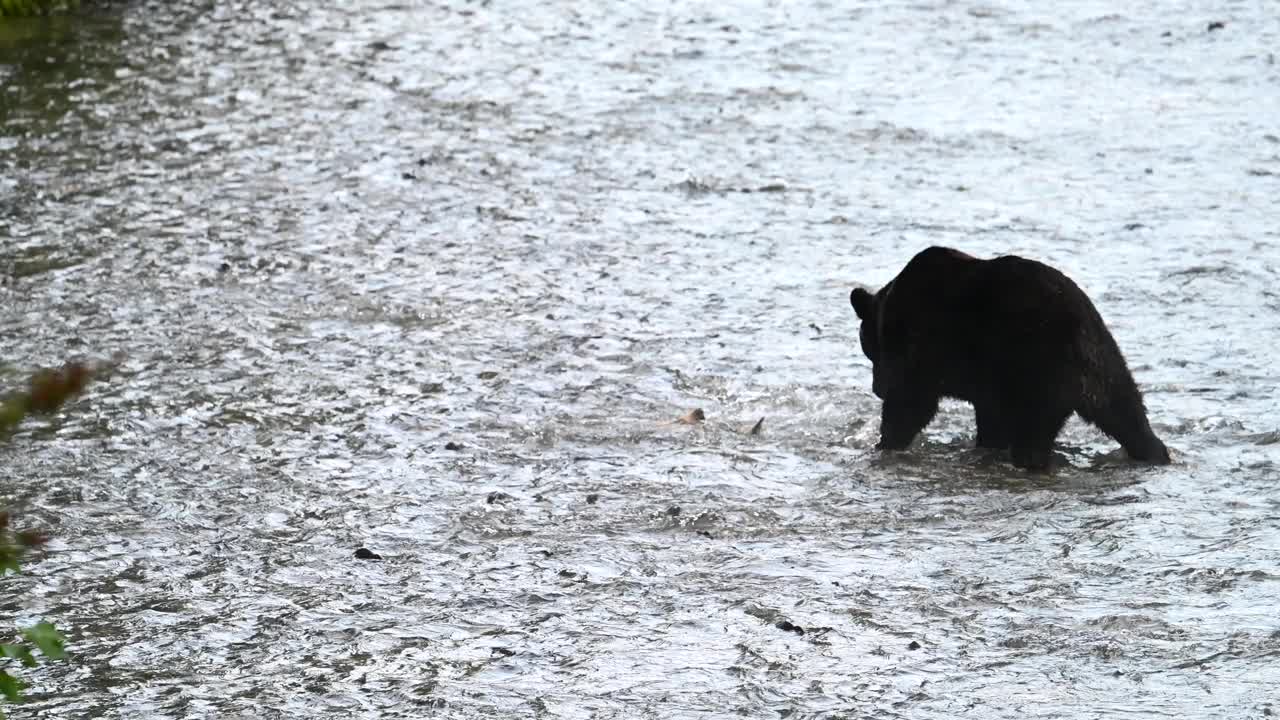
x: 864, y: 304
x: 867, y: 307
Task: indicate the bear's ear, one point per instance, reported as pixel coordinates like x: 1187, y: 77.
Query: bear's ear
x: 863, y: 303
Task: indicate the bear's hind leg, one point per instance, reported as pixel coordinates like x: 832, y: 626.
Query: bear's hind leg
x: 902, y: 417
x: 993, y: 430
x: 1034, y: 431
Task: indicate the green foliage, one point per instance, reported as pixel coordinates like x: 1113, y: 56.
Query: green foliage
x: 43, y: 637
x: 47, y: 391
x: 47, y: 639
x: 10, y: 687
x: 21, y: 653
x: 32, y: 8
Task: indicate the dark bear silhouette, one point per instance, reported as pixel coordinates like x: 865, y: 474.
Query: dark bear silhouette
x: 1015, y: 337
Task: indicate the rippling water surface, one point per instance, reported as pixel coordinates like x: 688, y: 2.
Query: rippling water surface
x: 438, y: 280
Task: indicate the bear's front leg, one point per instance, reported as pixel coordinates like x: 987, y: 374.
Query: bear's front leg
x: 1034, y: 431
x: 993, y: 429
x: 902, y: 417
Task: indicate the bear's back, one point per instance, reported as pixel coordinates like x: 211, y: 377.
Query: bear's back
x: 954, y: 297
x: 1019, y: 285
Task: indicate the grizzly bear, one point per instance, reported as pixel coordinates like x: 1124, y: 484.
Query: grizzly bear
x: 1014, y: 337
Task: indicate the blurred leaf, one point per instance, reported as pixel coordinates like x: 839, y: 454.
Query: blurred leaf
x: 9, y: 560
x: 11, y: 687
x: 12, y: 411
x: 20, y: 653
x: 30, y: 538
x: 34, y: 8
x: 50, y: 388
x: 46, y: 637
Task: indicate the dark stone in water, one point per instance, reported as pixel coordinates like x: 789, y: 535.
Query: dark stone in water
x: 789, y: 626
x: 367, y: 554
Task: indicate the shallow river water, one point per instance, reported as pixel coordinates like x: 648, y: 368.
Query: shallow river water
x: 438, y: 279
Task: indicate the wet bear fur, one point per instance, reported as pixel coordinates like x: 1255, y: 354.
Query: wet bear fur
x: 1014, y: 337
